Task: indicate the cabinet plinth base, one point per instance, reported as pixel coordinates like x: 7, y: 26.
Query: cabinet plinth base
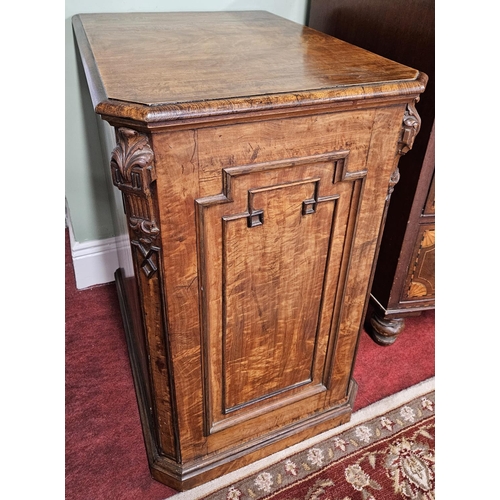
x: 191, y: 474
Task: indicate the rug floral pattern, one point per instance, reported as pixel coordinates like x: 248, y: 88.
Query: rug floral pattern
x: 388, y: 457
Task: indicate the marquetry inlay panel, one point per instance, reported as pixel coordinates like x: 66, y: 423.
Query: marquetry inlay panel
x: 421, y: 281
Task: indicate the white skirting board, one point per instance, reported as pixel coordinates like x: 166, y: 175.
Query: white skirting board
x: 94, y: 262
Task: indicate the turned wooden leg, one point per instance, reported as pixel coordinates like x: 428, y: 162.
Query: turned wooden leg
x: 384, y: 331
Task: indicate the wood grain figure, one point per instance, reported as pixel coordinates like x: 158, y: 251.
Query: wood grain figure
x: 255, y: 157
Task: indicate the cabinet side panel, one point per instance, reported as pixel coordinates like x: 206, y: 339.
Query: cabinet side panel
x: 133, y: 173
x: 177, y: 185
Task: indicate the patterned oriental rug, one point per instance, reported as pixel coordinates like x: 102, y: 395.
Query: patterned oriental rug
x: 385, y: 452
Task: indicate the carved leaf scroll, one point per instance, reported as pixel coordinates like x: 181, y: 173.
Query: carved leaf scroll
x: 132, y: 170
x: 411, y: 127
x: 132, y: 162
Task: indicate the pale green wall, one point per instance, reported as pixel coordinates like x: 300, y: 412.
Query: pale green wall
x: 86, y: 191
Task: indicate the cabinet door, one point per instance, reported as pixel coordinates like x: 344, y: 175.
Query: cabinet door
x: 275, y: 251
x: 269, y: 233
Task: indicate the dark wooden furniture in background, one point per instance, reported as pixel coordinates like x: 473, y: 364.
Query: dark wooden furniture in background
x: 254, y: 156
x: 401, y: 30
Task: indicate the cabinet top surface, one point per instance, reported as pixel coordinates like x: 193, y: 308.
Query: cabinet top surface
x: 155, y: 59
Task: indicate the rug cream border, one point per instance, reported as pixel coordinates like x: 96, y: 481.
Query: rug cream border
x: 371, y: 411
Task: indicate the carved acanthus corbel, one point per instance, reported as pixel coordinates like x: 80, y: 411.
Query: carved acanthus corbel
x: 133, y: 172
x: 411, y: 127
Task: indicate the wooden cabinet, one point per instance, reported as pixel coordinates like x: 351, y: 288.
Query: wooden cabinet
x: 255, y: 157
x: 403, y: 31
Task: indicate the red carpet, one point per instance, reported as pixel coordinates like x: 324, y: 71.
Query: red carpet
x: 105, y: 456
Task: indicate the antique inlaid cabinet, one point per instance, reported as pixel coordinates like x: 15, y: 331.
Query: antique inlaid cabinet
x: 255, y: 158
x: 404, y: 278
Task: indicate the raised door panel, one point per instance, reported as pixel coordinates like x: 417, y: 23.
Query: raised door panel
x: 273, y: 248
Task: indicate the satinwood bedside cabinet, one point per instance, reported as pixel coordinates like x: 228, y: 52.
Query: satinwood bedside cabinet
x: 255, y: 158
